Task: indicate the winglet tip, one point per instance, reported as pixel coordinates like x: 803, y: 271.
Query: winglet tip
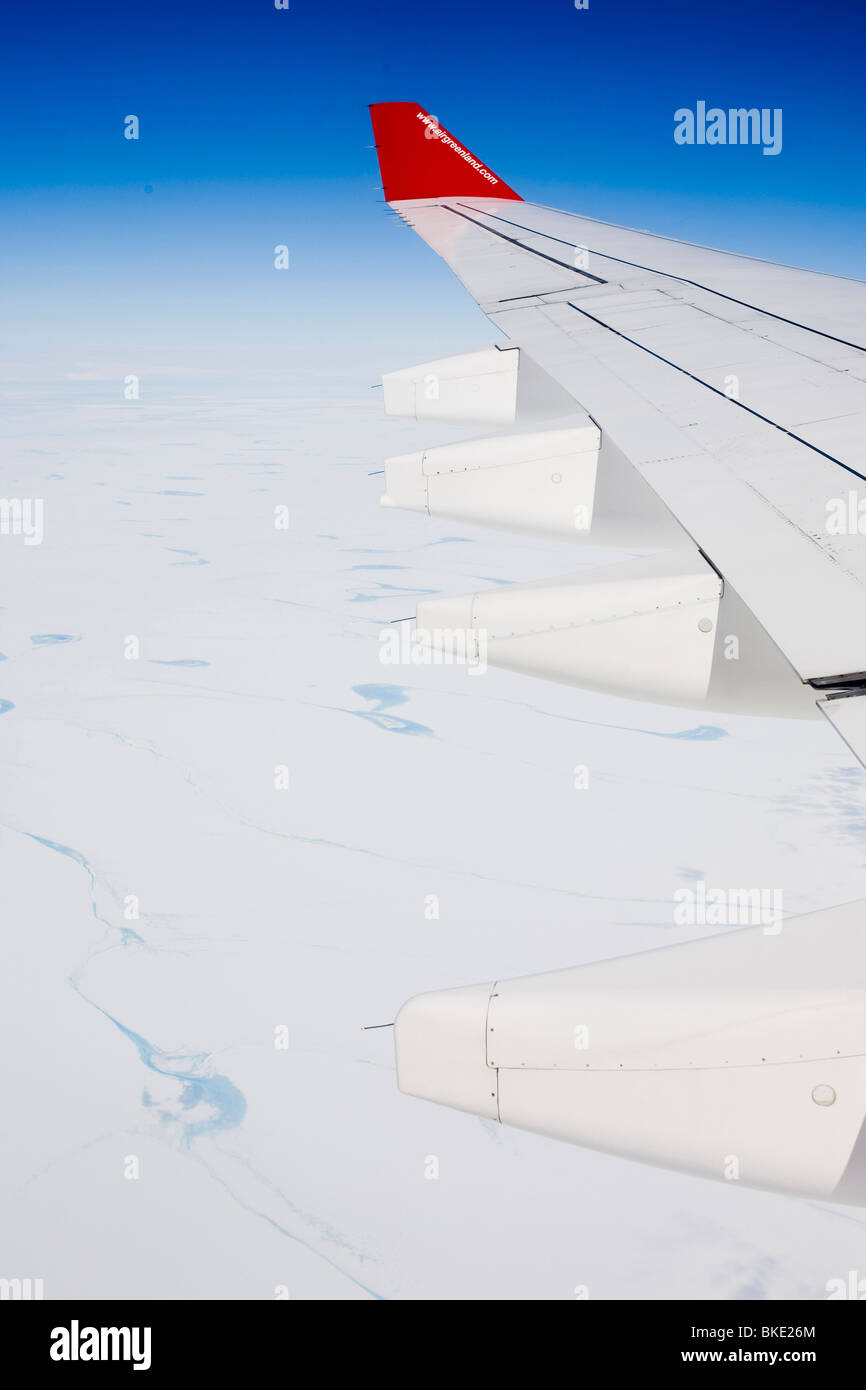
x: 419, y: 158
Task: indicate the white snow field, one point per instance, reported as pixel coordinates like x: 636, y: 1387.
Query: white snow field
x: 172, y: 658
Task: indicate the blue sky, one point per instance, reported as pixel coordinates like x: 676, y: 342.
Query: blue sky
x: 254, y: 131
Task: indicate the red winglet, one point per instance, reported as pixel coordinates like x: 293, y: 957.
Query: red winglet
x: 418, y: 158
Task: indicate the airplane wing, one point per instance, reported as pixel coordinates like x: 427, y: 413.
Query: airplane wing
x: 734, y: 388
x: 711, y: 408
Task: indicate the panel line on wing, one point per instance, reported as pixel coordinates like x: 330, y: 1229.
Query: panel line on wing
x: 716, y: 391
x: 668, y: 274
x: 531, y: 249
x: 536, y: 294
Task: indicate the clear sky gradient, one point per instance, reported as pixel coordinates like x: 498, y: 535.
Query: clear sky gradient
x: 157, y: 254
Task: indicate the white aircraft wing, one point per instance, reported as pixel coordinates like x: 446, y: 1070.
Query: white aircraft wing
x: 735, y: 388
x: 712, y: 409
